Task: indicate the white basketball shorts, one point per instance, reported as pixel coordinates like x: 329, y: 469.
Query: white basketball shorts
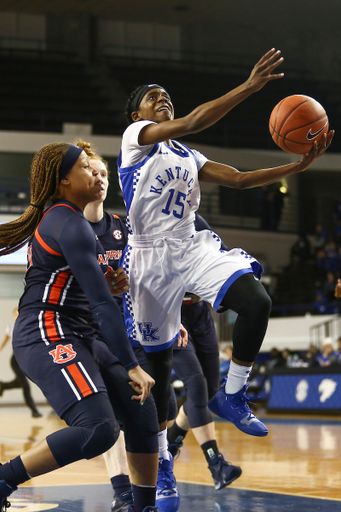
x: 162, y: 269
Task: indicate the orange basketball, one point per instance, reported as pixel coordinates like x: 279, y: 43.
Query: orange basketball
x: 296, y: 122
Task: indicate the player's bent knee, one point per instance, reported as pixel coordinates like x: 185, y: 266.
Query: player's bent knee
x: 261, y: 303
x: 103, y: 437
x: 196, y: 390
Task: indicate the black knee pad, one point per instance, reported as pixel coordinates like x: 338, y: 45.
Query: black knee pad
x: 195, y: 406
x: 102, y: 438
x: 144, y: 438
x: 245, y: 292
x: 196, y: 389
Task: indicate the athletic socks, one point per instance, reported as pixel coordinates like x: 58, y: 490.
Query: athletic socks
x: 144, y: 496
x: 175, y: 434
x: 236, y: 378
x: 14, y: 472
x: 210, y: 449
x: 120, y: 484
x: 163, y: 445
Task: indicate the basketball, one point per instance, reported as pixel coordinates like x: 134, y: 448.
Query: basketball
x: 297, y: 122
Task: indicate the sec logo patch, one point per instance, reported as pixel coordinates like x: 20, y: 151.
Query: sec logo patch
x: 117, y: 234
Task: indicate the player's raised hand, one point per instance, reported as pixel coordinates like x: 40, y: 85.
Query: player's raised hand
x: 141, y: 382
x: 317, y: 150
x: 262, y: 72
x: 117, y: 281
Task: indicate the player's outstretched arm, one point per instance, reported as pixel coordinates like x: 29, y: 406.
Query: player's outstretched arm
x: 209, y: 113
x: 220, y: 174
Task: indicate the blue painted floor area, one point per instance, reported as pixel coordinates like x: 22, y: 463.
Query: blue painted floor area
x: 198, y: 498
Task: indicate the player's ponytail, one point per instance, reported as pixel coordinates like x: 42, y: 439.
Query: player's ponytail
x: 44, y: 187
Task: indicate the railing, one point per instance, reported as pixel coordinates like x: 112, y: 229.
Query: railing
x: 209, y: 61
x: 328, y: 329
x: 35, y: 47
x: 14, y: 194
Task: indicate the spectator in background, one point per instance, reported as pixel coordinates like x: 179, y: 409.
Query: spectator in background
x: 332, y: 257
x: 337, y: 210
x: 318, y: 240
x: 337, y: 232
x: 328, y: 355
x: 271, y: 200
x: 301, y: 250
x: 311, y: 355
x: 321, y: 304
x: 338, y: 351
x: 292, y: 360
x: 329, y: 287
x: 320, y: 267
x: 20, y: 380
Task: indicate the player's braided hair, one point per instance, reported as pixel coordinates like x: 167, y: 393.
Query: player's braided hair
x: 127, y: 110
x: 44, y: 186
x: 91, y: 152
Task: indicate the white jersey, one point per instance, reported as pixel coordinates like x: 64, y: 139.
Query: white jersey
x: 159, y: 183
x: 165, y: 256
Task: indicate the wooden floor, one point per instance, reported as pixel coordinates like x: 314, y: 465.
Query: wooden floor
x: 300, y: 458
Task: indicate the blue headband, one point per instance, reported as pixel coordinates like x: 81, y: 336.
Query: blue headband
x: 139, y: 96
x: 69, y: 160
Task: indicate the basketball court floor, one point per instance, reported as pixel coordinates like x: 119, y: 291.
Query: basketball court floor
x: 296, y: 468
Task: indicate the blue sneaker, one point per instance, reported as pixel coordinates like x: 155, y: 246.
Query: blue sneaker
x: 234, y: 408
x: 122, y: 501
x: 5, y: 491
x: 223, y: 473
x: 167, y: 494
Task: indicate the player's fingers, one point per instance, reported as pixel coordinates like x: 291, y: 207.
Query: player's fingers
x: 271, y: 63
x: 136, y: 387
x: 144, y: 394
x: 330, y: 137
x: 267, y: 56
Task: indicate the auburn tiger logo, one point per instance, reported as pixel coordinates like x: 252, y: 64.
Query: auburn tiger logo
x: 117, y: 234
x: 63, y: 354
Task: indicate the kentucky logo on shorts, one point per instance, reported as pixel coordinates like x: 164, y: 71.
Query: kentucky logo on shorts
x: 63, y: 354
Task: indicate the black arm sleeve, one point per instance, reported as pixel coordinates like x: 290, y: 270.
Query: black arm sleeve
x: 78, y: 245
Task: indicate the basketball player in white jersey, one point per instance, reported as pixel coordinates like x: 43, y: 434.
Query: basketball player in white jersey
x: 166, y: 257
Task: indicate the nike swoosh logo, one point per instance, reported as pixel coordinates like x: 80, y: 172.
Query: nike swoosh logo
x: 248, y: 421
x: 312, y: 136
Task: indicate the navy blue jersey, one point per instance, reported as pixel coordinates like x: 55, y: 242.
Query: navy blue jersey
x: 113, y: 236
x: 63, y: 276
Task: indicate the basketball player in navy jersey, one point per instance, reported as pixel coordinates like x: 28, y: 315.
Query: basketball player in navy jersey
x: 112, y: 234
x: 66, y: 302
x: 164, y: 258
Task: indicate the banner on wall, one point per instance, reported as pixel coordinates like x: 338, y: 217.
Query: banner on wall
x: 306, y: 391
